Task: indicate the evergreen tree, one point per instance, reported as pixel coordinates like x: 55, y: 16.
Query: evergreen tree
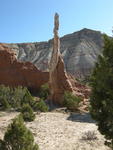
x: 40, y: 106
x: 102, y: 92
x: 18, y: 137
x: 27, y: 98
x: 4, y: 103
x: 71, y: 101
x: 27, y: 113
x: 44, y: 91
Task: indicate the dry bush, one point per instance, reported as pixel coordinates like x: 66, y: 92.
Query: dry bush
x: 89, y: 135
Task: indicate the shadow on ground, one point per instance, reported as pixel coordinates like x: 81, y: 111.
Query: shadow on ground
x: 78, y: 117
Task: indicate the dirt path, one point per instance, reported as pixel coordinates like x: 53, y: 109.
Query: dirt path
x: 60, y: 131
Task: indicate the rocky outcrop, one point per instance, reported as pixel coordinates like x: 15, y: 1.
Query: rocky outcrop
x: 14, y: 73
x: 59, y: 80
x: 79, y: 51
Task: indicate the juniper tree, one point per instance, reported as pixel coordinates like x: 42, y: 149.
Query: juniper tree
x: 27, y: 113
x: 18, y: 137
x: 102, y: 92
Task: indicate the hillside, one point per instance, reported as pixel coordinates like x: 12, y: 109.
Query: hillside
x: 79, y: 50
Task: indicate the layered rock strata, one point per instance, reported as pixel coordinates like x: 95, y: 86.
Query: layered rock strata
x: 79, y: 51
x: 14, y: 73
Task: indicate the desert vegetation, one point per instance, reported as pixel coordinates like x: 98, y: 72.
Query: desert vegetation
x: 27, y: 113
x: 102, y: 92
x: 17, y: 97
x: 44, y: 91
x: 41, y: 106
x: 18, y: 137
x: 89, y: 136
x: 71, y: 101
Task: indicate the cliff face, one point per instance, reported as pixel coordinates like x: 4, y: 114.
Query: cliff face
x: 14, y: 73
x: 79, y: 51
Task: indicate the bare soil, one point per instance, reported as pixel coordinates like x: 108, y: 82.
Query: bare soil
x: 61, y: 131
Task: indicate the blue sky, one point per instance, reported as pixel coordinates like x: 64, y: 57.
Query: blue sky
x: 32, y: 20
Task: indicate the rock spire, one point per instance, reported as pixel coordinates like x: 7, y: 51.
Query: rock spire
x: 58, y: 78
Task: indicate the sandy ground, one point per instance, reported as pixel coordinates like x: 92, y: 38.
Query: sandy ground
x: 60, y: 131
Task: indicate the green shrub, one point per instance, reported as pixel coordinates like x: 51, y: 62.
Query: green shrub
x: 21, y: 96
x: 40, y: 106
x: 15, y: 97
x: 4, y: 103
x: 101, y: 99
x: 4, y: 97
x: 44, y: 91
x: 27, y: 98
x: 27, y: 113
x: 3, y: 145
x: 18, y: 137
x: 70, y: 101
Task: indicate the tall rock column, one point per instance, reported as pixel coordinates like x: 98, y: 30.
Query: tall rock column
x: 58, y: 78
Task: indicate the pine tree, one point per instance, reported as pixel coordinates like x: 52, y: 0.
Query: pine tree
x: 102, y: 92
x: 18, y: 137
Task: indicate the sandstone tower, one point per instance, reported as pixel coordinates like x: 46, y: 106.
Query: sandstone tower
x: 58, y: 78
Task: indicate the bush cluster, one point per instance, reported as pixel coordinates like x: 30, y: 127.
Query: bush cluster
x: 20, y: 99
x: 44, y: 91
x: 14, y: 97
x: 17, y: 97
x: 71, y: 101
x: 40, y: 106
x: 17, y: 136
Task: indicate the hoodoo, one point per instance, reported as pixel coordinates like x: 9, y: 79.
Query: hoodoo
x: 58, y: 78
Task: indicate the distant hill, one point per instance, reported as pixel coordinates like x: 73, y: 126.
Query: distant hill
x: 79, y: 50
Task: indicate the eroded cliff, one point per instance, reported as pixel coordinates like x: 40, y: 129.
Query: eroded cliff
x: 14, y: 73
x: 79, y: 50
